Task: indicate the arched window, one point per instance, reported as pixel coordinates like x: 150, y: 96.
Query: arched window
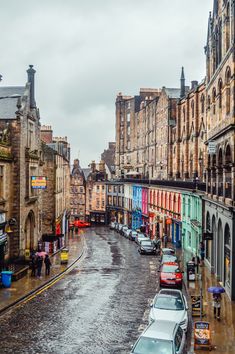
x: 220, y: 158
x: 227, y: 27
x: 208, y: 222
x: 208, y: 103
x: 192, y: 108
x: 202, y: 103
x: 228, y: 91
x: 220, y: 85
x: 214, y: 100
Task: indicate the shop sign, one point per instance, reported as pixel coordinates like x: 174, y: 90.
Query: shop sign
x: 208, y: 236
x: 38, y: 182
x: 212, y: 147
x: 196, y: 305
x: 202, y: 334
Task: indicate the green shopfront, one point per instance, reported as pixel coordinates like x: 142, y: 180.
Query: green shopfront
x: 191, y: 223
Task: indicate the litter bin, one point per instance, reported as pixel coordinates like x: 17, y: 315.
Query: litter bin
x: 64, y: 256
x: 6, y: 278
x: 191, y: 271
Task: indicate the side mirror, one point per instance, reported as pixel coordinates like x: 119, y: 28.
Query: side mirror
x: 151, y: 304
x: 186, y: 307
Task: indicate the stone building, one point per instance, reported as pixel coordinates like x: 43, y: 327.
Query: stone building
x: 77, y: 193
x: 220, y: 174
x: 96, y: 193
x: 108, y: 156
x: 20, y: 126
x: 57, y: 196
x: 188, y: 134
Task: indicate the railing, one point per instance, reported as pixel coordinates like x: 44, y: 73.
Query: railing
x: 192, y: 185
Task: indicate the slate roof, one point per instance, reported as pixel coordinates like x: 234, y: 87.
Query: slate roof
x: 172, y: 92
x: 8, y: 105
x: 86, y: 172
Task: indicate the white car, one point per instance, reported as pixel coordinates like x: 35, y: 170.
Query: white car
x: 127, y: 233
x: 141, y: 237
x: 161, y: 337
x: 170, y: 305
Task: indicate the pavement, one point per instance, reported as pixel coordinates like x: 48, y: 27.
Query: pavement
x: 28, y: 284
x: 223, y: 330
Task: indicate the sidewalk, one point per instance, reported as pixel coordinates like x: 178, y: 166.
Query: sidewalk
x: 223, y: 330
x: 24, y: 286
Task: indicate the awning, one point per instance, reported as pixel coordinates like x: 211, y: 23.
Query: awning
x: 3, y: 239
x: 51, y: 237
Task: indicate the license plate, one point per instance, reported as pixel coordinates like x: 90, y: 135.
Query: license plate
x: 170, y: 282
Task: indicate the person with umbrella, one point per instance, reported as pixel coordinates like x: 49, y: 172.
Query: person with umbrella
x: 216, y: 291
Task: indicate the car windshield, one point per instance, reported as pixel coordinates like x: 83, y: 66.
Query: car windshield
x: 169, y: 303
x: 153, y: 346
x: 169, y: 258
x: 166, y: 268
x: 146, y: 243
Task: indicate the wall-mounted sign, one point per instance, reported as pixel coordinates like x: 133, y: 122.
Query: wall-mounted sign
x: 212, y: 147
x: 38, y: 182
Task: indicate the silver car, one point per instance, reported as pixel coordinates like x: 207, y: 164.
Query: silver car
x: 163, y: 337
x: 141, y: 237
x: 170, y: 305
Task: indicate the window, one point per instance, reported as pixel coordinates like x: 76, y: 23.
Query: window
x: 110, y: 200
x: 97, y: 188
x: 1, y: 181
x: 81, y: 189
x: 128, y: 117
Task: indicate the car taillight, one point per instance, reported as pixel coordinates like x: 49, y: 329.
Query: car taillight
x: 178, y: 276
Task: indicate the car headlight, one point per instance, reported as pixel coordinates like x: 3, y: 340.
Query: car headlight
x: 182, y: 323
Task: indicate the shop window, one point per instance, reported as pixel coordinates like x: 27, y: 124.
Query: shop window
x: 227, y: 255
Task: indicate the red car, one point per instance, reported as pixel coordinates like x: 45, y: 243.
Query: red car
x: 171, y: 275
x: 81, y: 223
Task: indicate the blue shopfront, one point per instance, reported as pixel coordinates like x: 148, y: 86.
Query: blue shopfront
x: 136, y: 207
x: 176, y: 228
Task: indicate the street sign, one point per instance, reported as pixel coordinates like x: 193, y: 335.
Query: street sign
x: 212, y: 147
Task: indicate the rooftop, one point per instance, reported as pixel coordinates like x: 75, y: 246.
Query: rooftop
x: 8, y: 105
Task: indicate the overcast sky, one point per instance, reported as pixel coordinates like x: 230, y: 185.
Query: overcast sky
x: 86, y: 51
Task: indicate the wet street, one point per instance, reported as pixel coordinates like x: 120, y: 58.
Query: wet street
x: 101, y: 306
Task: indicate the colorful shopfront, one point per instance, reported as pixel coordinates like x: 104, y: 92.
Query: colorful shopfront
x: 165, y: 213
x: 136, y: 207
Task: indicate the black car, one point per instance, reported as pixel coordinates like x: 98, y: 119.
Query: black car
x: 147, y: 247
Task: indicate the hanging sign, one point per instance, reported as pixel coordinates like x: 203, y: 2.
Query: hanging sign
x: 38, y: 182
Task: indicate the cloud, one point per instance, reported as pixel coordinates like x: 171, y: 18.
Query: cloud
x: 87, y: 51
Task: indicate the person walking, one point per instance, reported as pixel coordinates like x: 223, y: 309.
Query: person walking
x: 47, y: 262
x: 217, y: 305
x: 196, y: 261
x: 202, y: 252
x: 33, y: 265
x: 39, y: 263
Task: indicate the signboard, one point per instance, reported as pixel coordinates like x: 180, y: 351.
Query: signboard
x: 212, y: 147
x: 202, y: 334
x: 196, y: 305
x: 38, y: 182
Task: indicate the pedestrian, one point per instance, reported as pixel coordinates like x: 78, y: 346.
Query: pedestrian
x: 39, y: 263
x: 33, y: 265
x: 202, y: 252
x: 196, y: 261
x: 165, y: 240
x: 47, y: 262
x: 217, y: 305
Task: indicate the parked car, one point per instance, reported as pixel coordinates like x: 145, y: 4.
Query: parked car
x: 146, y: 246
x: 168, y: 251
x: 161, y: 337
x: 81, y: 223
x: 165, y: 258
x: 119, y: 228
x: 133, y: 235
x: 127, y: 233
x: 170, y: 305
x: 141, y: 237
x: 171, y: 275
x: 112, y: 225
x: 116, y: 226
x: 123, y: 229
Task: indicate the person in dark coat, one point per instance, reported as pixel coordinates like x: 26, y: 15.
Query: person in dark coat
x: 47, y: 262
x: 39, y: 263
x: 202, y: 252
x: 165, y: 240
x: 33, y: 265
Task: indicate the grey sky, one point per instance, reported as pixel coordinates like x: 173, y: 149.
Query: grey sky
x: 86, y: 51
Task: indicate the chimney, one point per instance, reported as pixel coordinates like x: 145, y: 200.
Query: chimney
x: 46, y: 134
x: 31, y: 72
x: 102, y: 166
x: 76, y: 163
x: 194, y: 84
x: 93, y: 166
x: 182, y: 83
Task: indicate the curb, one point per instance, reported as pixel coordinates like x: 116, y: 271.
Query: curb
x: 40, y: 287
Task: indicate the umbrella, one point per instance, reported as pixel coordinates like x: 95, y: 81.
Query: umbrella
x: 41, y: 254
x: 216, y: 290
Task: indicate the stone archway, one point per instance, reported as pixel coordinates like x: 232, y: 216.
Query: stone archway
x: 29, y: 231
